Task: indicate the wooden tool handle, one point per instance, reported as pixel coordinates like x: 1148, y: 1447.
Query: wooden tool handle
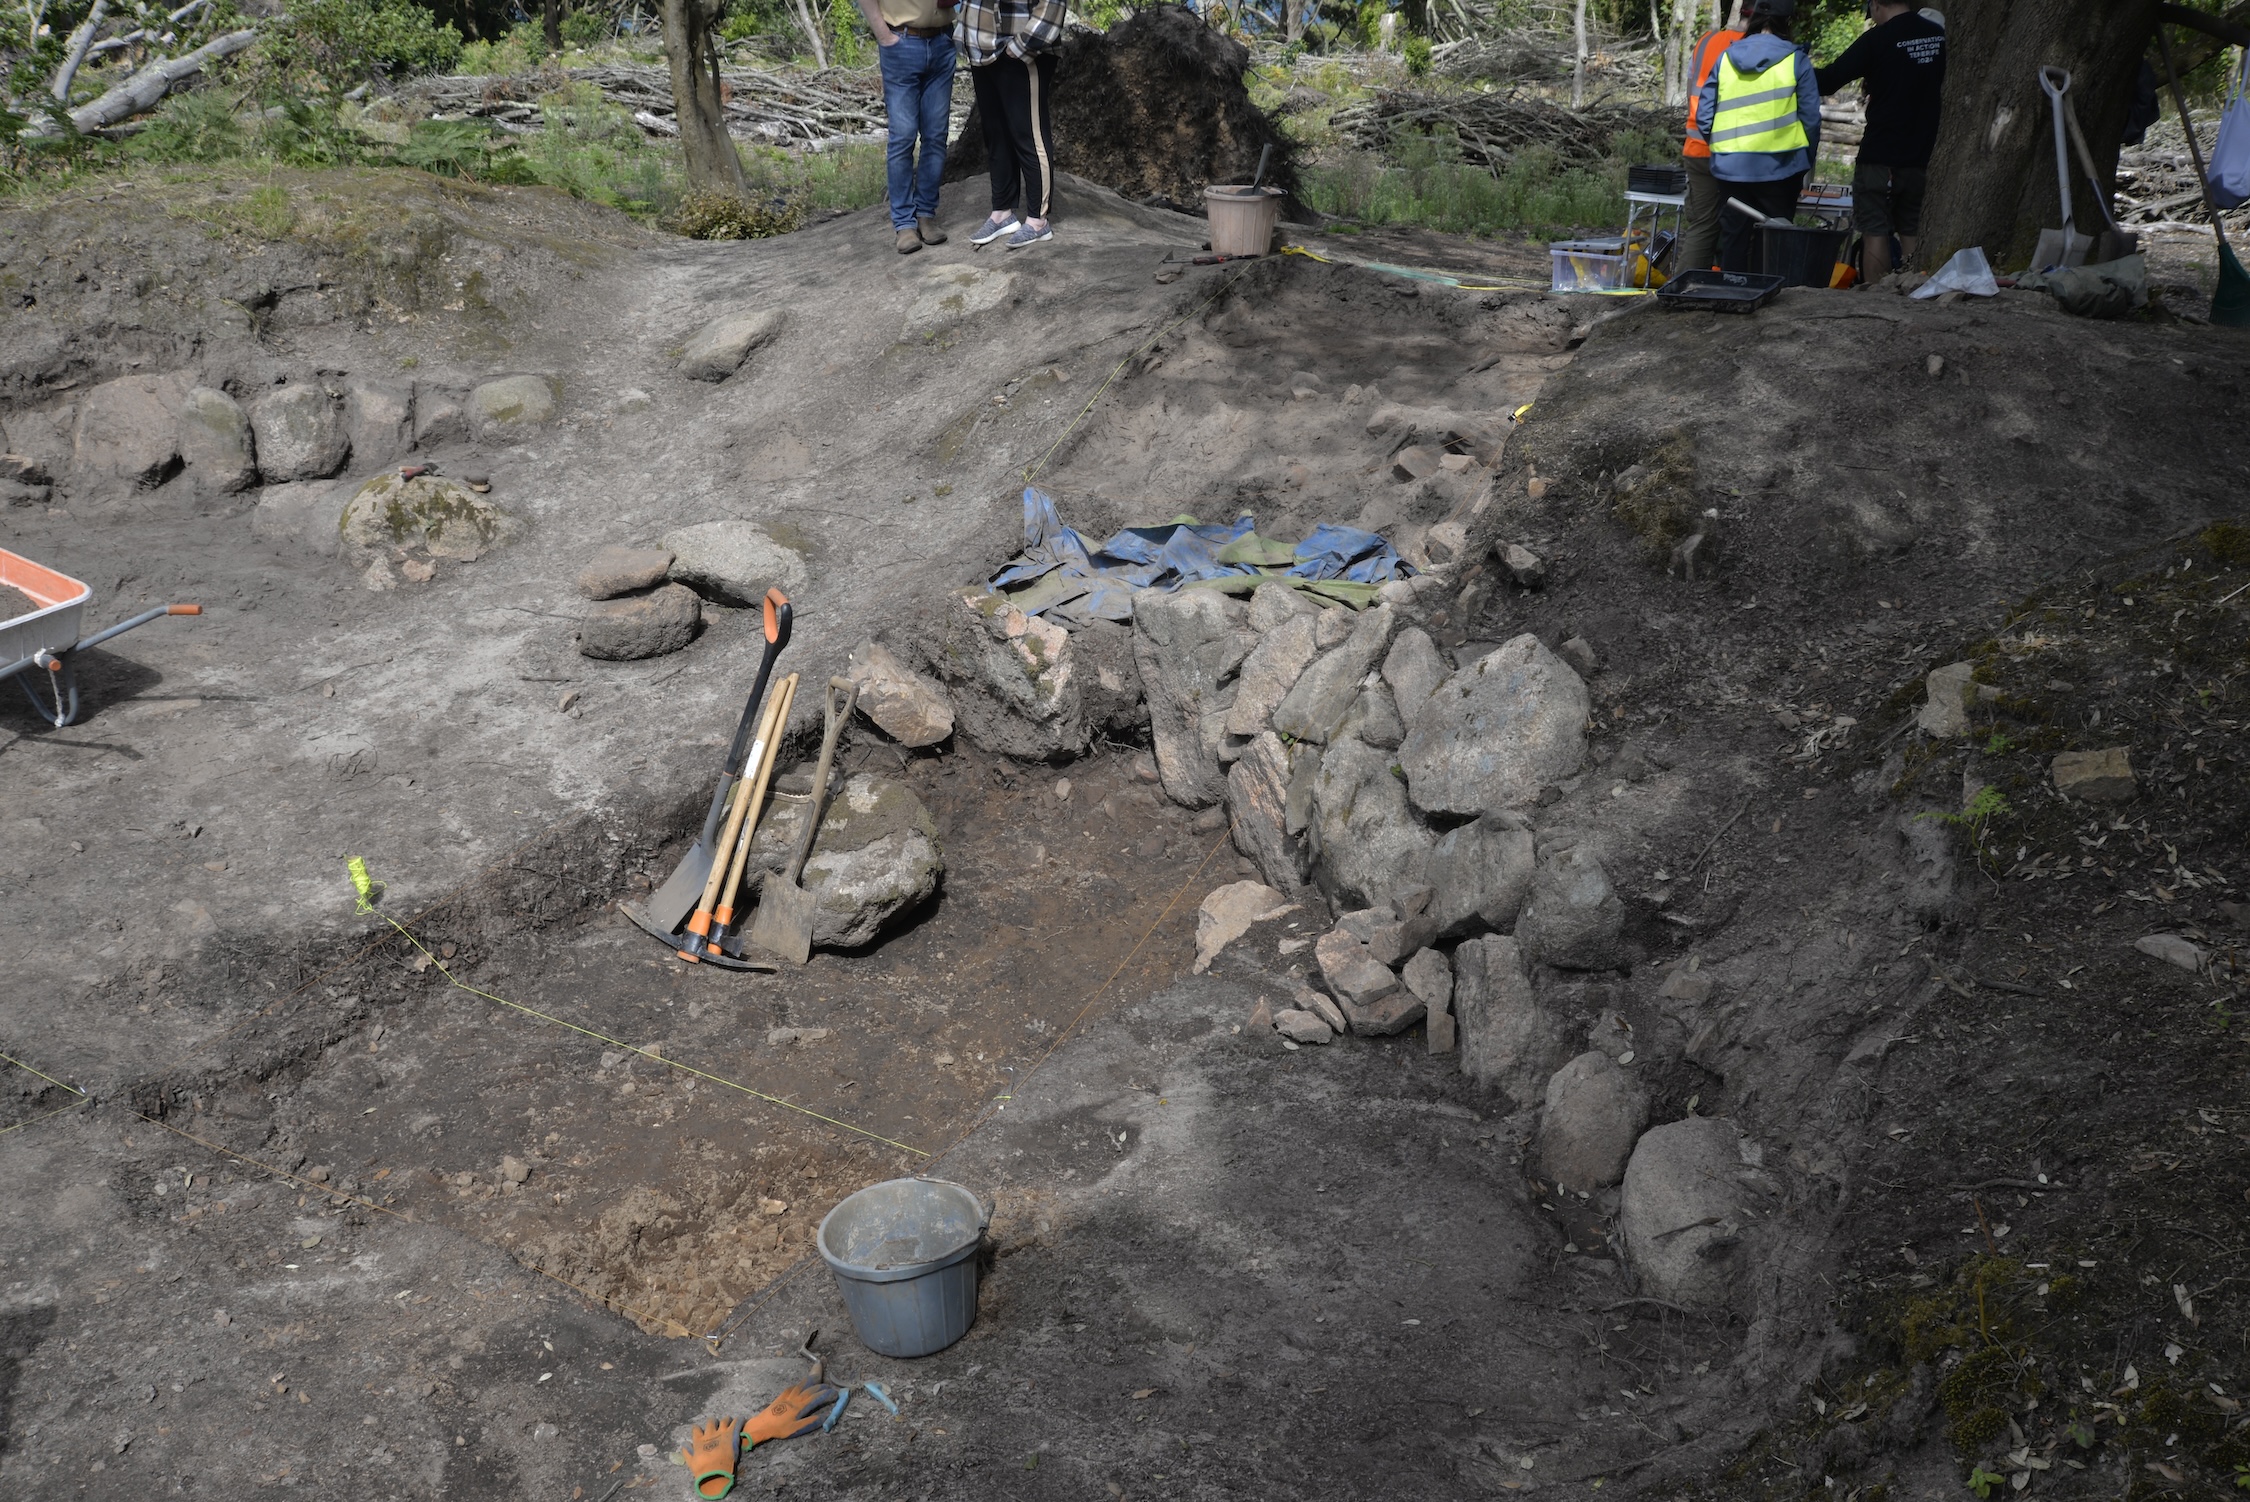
x: 739, y: 857
x: 837, y: 717
x: 699, y: 926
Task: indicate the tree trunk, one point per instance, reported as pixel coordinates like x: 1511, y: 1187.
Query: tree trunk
x: 1578, y: 68
x: 1992, y: 178
x: 1417, y: 13
x: 1679, y: 52
x: 1292, y: 20
x: 808, y: 22
x: 554, y: 25
x: 690, y: 47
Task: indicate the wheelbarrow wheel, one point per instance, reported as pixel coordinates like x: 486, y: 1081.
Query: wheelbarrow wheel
x: 62, y: 686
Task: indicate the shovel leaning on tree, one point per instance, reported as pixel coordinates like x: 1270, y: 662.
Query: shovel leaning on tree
x: 784, y: 924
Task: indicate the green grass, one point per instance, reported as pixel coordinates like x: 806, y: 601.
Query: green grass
x: 1423, y: 181
x: 588, y: 148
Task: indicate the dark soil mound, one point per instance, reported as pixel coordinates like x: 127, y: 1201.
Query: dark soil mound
x: 1154, y: 108
x: 1874, y: 443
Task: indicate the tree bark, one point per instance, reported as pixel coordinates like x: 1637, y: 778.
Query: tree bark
x: 1578, y: 68
x: 1679, y: 52
x: 691, y: 48
x: 808, y: 22
x: 1292, y: 20
x: 554, y: 25
x: 1992, y: 177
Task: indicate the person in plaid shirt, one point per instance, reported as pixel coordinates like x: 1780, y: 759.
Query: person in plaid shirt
x: 1009, y: 46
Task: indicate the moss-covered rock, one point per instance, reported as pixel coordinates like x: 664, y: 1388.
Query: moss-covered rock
x: 428, y: 514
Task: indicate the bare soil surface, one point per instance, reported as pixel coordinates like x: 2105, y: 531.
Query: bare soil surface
x: 281, y: 1242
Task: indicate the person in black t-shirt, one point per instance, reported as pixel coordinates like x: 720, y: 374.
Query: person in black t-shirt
x: 1900, y: 61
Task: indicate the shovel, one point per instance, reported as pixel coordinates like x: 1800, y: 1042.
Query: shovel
x: 785, y: 910
x: 670, y: 905
x: 725, y: 949
x: 703, y: 929
x: 2065, y: 246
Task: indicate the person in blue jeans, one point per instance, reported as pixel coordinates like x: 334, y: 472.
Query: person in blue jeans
x: 915, y: 38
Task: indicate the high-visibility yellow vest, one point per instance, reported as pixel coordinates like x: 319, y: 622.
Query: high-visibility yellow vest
x: 1757, y: 111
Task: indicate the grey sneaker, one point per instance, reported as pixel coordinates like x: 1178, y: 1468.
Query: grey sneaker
x: 926, y: 226
x: 908, y: 242
x: 988, y: 231
x: 1026, y: 235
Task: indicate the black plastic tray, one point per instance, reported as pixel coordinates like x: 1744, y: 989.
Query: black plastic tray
x: 1666, y: 180
x: 1719, y: 291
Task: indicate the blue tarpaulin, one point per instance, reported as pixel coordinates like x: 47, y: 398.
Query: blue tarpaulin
x: 1070, y: 580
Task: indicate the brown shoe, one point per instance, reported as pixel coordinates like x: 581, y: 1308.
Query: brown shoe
x: 908, y: 242
x: 926, y: 226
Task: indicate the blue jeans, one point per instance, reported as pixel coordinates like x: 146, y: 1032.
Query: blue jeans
x: 917, y: 96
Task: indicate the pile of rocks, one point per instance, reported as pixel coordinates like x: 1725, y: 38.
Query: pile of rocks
x: 649, y: 601
x: 206, y: 442
x: 1359, y: 768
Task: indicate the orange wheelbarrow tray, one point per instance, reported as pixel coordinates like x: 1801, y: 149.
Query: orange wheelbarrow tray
x: 46, y: 638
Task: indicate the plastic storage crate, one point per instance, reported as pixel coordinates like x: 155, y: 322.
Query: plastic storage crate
x: 1588, y: 265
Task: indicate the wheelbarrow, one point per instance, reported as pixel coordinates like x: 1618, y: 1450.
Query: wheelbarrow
x: 47, y: 638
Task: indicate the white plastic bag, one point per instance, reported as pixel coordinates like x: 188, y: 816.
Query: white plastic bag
x: 2230, y: 156
x: 1968, y: 272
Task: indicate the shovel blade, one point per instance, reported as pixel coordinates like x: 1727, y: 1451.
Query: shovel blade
x: 670, y: 906
x: 785, y: 921
x: 2060, y: 248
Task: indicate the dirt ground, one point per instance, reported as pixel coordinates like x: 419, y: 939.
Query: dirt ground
x: 277, y: 1246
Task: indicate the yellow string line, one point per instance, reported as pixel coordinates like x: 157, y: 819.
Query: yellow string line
x: 370, y: 948
x: 50, y: 1079
x: 1420, y: 273
x: 43, y: 1115
x: 672, y: 1326
x: 1083, y: 412
x: 518, y: 1006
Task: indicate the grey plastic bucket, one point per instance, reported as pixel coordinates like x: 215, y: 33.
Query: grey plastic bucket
x: 905, y: 1257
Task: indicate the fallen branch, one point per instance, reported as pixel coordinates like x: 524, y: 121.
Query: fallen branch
x: 146, y: 89
x: 81, y: 41
x: 1722, y: 834
x: 119, y: 44
x: 803, y: 109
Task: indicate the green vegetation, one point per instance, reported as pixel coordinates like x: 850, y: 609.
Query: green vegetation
x: 588, y: 148
x: 1422, y: 180
x: 334, y: 45
x: 722, y: 216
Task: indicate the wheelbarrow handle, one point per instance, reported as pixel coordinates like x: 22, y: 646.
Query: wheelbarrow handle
x: 142, y: 619
x: 51, y: 659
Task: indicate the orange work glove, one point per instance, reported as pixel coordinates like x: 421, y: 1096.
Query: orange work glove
x: 797, y: 1411
x: 712, y: 1449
